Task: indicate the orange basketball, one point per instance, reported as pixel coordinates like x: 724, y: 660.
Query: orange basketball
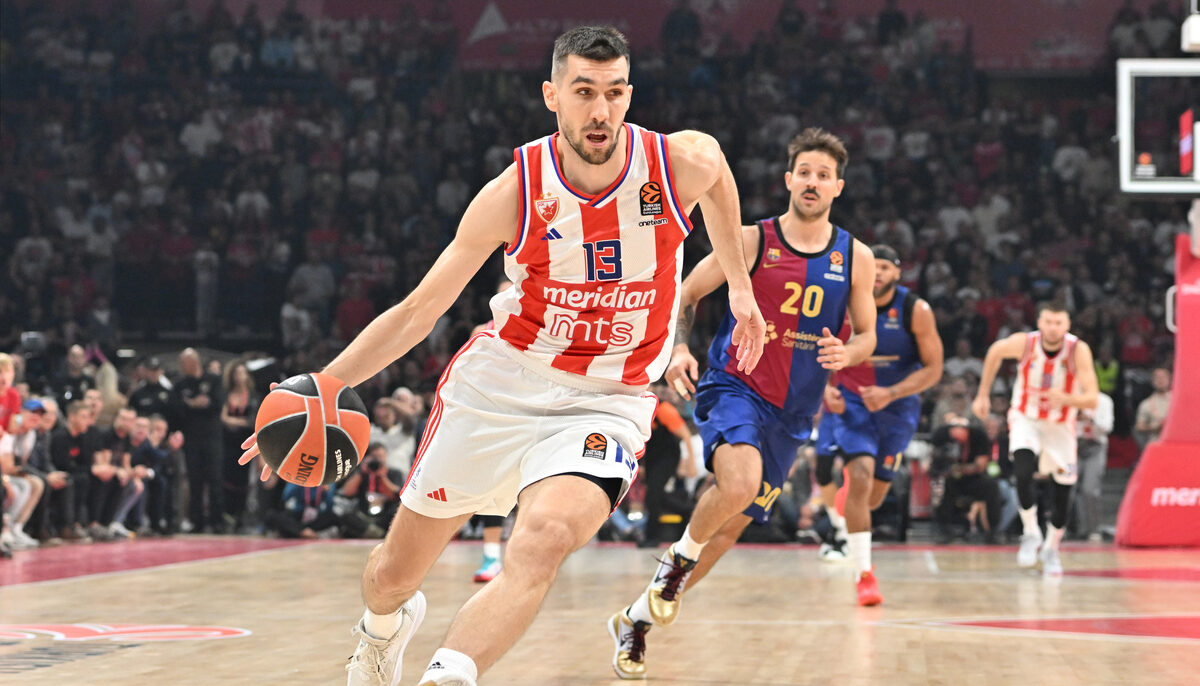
x: 312, y: 429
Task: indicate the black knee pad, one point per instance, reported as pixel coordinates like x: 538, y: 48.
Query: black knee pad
x: 1062, y: 505
x: 1024, y: 464
x: 824, y: 471
x: 1024, y: 467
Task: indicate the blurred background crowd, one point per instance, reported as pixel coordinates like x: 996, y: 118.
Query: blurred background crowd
x: 262, y: 188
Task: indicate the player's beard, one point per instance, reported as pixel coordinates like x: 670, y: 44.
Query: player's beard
x: 883, y: 289
x: 1052, y: 343
x: 814, y: 214
x: 575, y: 139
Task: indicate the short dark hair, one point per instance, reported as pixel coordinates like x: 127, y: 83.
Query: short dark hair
x: 599, y: 43
x: 1053, y: 306
x: 886, y: 252
x: 815, y: 138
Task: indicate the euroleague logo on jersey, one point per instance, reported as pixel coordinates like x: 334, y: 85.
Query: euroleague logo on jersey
x: 836, y: 260
x: 651, y: 198
x: 595, y: 445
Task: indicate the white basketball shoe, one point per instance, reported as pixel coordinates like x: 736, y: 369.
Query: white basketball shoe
x: 1051, y: 563
x: 1027, y: 556
x: 377, y: 661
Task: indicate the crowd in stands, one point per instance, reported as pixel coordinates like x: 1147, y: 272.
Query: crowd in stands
x: 228, y: 176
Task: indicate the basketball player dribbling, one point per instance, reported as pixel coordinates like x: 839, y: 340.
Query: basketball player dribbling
x: 806, y: 273
x: 1055, y: 379
x: 549, y: 410
x: 873, y: 414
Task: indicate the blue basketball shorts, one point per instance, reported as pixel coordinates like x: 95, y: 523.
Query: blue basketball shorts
x: 883, y: 435
x: 728, y: 411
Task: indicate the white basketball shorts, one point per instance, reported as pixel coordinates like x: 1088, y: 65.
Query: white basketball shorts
x: 503, y: 421
x: 1054, y: 443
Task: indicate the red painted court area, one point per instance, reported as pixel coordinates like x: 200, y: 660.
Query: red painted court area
x: 1179, y: 626
x: 48, y: 564
x: 1143, y: 573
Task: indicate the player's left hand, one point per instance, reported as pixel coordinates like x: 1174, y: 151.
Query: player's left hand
x: 875, y: 398
x: 750, y: 332
x: 831, y: 353
x: 250, y: 445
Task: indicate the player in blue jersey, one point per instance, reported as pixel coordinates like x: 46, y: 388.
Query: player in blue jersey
x: 806, y: 274
x: 872, y: 414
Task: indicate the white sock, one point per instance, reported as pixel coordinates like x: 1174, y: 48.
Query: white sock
x: 451, y: 662
x: 860, y: 550
x: 1029, y: 521
x: 640, y: 610
x: 491, y: 550
x: 838, y: 522
x: 381, y: 626
x: 687, y: 546
x: 1053, y: 536
x: 18, y: 528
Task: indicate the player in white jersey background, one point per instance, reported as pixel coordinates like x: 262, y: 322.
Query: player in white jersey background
x: 555, y: 429
x: 1055, y: 379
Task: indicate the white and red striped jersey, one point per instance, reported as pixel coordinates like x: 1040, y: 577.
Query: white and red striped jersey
x: 1037, y: 372
x: 596, y: 277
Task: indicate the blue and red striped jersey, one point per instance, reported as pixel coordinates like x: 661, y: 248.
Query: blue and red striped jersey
x: 799, y: 294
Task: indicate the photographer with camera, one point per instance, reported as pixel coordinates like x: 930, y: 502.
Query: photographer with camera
x: 963, y: 458
x: 374, y: 494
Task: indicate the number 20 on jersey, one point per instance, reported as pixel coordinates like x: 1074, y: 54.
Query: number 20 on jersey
x: 810, y: 299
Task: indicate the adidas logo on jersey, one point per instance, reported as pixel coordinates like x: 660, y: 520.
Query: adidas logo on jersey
x: 439, y: 495
x: 551, y: 235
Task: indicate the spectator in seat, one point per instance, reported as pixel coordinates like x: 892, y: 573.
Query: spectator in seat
x: 153, y: 394
x: 1152, y: 412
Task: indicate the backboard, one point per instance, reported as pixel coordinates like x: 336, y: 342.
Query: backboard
x: 1158, y: 121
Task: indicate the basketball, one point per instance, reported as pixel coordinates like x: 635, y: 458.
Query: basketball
x: 312, y: 429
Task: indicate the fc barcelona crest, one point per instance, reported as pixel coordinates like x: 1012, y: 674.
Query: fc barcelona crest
x: 547, y: 207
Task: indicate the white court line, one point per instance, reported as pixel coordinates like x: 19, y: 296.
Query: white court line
x: 168, y: 565
x: 931, y: 563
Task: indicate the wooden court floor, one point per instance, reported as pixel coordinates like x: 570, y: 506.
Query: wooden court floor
x: 233, y: 611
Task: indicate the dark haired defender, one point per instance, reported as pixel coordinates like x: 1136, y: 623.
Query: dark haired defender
x: 807, y: 273
x: 1056, y: 378
x: 550, y: 409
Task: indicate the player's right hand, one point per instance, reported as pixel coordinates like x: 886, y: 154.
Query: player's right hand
x: 981, y: 406
x: 750, y: 331
x: 683, y: 370
x: 250, y: 445
x: 834, y: 400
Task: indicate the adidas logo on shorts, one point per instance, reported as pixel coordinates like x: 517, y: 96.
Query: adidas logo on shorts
x: 439, y: 495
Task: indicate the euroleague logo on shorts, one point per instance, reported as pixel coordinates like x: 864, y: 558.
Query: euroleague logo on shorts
x: 651, y: 197
x: 595, y: 445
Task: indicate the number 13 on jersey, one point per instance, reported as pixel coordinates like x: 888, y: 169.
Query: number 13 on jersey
x: 603, y: 260
x: 809, y: 298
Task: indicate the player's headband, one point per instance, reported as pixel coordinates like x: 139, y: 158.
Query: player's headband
x: 886, y: 252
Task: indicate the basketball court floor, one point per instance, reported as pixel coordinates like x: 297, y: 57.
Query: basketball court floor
x: 226, y: 610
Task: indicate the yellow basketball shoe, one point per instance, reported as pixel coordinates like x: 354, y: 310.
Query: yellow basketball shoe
x: 629, y: 641
x: 664, y: 592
